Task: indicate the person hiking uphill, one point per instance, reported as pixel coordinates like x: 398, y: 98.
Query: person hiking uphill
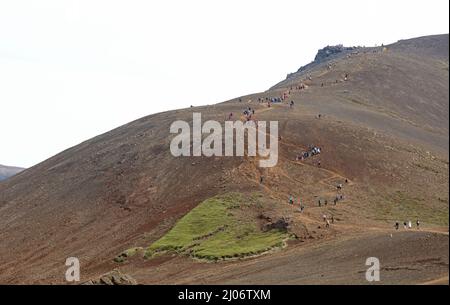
x: 302, y: 207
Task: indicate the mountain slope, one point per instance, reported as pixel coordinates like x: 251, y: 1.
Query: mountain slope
x: 384, y: 130
x: 401, y: 89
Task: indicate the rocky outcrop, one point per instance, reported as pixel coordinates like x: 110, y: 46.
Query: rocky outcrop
x: 281, y: 224
x: 323, y: 55
x: 328, y: 51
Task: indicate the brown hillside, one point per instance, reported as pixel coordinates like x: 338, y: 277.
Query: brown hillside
x: 384, y: 129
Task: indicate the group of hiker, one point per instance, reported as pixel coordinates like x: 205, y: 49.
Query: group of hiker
x: 273, y: 99
x: 407, y: 224
x: 285, y: 95
x: 312, y: 151
x: 248, y: 113
x: 336, y: 199
x: 300, y: 87
x: 301, y: 206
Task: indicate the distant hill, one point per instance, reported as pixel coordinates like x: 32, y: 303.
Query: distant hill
x: 8, y: 171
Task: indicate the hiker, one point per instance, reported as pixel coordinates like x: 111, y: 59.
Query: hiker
x: 335, y: 200
x: 409, y: 224
x: 326, y: 202
x: 405, y: 225
x: 332, y: 219
x: 324, y: 217
x: 320, y: 203
x: 346, y: 180
x: 396, y: 225
x: 327, y: 225
x: 339, y: 186
x: 230, y: 116
x: 291, y: 200
x: 417, y: 224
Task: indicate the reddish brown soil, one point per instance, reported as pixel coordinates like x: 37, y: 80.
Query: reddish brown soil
x: 385, y: 130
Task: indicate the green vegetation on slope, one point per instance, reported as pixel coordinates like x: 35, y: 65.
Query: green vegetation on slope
x: 219, y: 228
x: 401, y: 206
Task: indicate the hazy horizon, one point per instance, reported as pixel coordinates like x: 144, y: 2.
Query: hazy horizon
x: 72, y: 70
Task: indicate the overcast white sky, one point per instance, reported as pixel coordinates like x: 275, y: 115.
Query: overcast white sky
x: 70, y: 70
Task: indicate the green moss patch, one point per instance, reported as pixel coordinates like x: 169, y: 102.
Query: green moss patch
x: 221, y: 227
